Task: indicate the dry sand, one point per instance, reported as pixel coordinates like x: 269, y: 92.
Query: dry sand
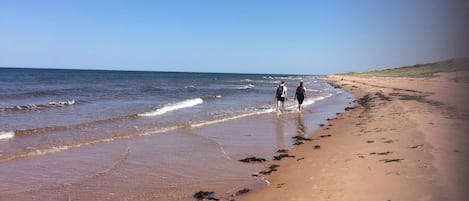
x: 405, y: 139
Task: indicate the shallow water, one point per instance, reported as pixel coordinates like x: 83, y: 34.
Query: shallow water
x: 145, y: 135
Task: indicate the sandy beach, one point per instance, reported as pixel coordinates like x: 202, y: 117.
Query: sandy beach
x: 402, y: 139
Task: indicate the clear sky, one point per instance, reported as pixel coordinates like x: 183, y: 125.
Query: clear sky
x: 241, y: 36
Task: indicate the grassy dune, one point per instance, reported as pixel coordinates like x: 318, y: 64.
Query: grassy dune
x: 418, y: 70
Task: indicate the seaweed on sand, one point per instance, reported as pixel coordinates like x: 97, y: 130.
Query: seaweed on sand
x: 201, y: 195
x: 252, y: 159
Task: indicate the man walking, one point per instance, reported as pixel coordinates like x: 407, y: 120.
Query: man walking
x: 281, y: 95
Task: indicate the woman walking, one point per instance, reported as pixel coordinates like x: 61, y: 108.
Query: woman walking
x: 300, y: 95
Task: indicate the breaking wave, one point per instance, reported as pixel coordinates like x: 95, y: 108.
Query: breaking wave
x: 173, y: 106
x: 38, y: 106
x: 216, y: 121
x: 63, y: 103
x: 60, y: 148
x: 249, y: 86
x: 6, y: 135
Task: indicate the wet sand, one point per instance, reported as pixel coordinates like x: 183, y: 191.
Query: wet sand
x: 402, y: 139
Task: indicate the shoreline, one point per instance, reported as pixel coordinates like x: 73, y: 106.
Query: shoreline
x: 403, y: 139
x: 173, y: 164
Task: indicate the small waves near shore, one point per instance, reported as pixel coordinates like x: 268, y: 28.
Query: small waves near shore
x: 173, y: 106
x: 69, y: 131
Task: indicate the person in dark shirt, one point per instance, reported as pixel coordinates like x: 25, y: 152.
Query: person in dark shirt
x: 300, y: 95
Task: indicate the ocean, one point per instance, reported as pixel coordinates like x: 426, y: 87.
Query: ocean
x: 129, y: 135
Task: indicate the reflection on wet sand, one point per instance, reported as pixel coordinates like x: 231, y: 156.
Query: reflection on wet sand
x: 301, y: 129
x: 281, y: 132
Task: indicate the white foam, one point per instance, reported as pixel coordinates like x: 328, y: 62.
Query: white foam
x: 6, y: 135
x: 313, y: 90
x: 68, y: 102
x: 307, y: 102
x: 249, y: 86
x: 312, y: 101
x: 24, y: 107
x: 173, y: 106
x: 51, y: 150
x: 264, y: 111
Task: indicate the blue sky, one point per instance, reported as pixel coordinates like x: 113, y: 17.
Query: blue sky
x: 240, y: 36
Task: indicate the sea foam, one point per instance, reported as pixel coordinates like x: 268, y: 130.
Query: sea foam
x: 173, y: 106
x: 60, y: 103
x: 205, y: 123
x: 32, y: 107
x: 6, y: 135
x: 249, y: 86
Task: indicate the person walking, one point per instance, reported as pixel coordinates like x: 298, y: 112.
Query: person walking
x: 300, y: 95
x: 281, y: 95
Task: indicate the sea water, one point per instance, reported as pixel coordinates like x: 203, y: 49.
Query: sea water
x: 127, y: 135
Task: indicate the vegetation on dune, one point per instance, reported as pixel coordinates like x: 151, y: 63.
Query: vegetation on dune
x: 418, y: 70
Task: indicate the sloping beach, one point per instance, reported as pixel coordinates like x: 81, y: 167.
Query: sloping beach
x: 146, y: 135
x: 404, y: 138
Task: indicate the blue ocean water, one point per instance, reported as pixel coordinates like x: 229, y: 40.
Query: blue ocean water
x: 34, y: 99
x: 130, y: 117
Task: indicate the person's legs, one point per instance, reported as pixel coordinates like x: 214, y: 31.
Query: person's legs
x: 280, y: 101
x: 278, y: 104
x: 300, y: 102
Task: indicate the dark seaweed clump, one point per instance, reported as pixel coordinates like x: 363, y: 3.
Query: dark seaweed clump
x: 281, y: 156
x: 252, y: 159
x: 282, y: 151
x: 201, y: 195
x: 299, y: 139
x: 243, y: 191
x: 272, y: 168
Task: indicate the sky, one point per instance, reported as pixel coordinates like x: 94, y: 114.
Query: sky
x: 235, y: 36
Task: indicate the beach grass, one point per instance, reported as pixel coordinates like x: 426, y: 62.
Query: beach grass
x: 418, y: 70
